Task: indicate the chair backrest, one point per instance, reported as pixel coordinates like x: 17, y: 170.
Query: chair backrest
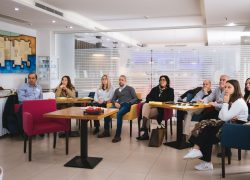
x: 39, y: 107
x: 139, y: 95
x: 1, y: 173
x: 168, y: 113
x: 91, y: 94
x: 235, y: 136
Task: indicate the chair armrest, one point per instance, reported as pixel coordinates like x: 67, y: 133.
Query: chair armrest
x: 28, y: 124
x: 109, y: 105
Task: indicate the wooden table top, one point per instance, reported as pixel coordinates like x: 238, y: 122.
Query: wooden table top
x: 62, y: 100
x: 77, y: 113
x: 185, y: 107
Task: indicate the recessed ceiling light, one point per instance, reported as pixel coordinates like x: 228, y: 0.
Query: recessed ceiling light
x: 69, y: 27
x: 53, y: 21
x: 16, y: 9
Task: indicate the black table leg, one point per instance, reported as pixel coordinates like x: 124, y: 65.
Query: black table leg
x: 180, y: 142
x: 84, y: 161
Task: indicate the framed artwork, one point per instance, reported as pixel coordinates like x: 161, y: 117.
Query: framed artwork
x: 17, y: 53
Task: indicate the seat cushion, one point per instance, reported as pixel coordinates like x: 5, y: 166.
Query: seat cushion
x: 41, y: 128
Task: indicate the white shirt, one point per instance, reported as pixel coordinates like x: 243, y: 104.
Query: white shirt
x: 238, y: 110
x: 104, y: 95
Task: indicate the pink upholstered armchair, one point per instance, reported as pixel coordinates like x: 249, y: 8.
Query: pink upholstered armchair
x: 168, y: 114
x: 34, y: 123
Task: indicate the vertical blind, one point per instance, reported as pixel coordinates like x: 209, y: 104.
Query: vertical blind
x: 186, y: 67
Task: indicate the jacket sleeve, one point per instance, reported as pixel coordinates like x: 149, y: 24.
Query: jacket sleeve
x: 115, y: 97
x: 150, y: 96
x: 110, y: 94
x: 58, y: 92
x: 133, y: 95
x: 228, y: 114
x: 71, y: 93
x: 170, y: 95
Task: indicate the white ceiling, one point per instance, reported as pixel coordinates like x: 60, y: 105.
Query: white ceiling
x: 35, y: 19
x: 143, y: 14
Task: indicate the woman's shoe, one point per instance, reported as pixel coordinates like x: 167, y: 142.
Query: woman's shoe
x: 204, y: 166
x: 143, y: 137
x: 116, y: 139
x: 193, y: 153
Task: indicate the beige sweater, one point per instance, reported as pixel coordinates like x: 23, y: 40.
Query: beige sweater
x: 59, y: 92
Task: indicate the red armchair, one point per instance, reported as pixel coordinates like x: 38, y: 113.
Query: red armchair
x: 168, y: 114
x: 34, y: 123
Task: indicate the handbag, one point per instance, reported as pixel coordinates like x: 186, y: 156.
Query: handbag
x: 157, y: 136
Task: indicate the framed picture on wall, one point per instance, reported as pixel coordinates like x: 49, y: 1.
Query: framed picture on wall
x: 17, y: 53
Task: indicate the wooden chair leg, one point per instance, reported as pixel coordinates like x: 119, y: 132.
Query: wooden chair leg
x: 171, y: 126
x: 67, y: 142
x: 239, y: 154
x: 130, y: 127
x: 30, y: 147
x: 54, y: 142
x: 223, y: 162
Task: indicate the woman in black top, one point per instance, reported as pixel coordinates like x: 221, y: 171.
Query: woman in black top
x: 247, y: 96
x: 162, y: 93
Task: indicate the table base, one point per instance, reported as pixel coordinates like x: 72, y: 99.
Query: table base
x: 88, y: 163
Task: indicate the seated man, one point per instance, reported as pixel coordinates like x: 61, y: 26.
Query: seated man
x: 204, y: 92
x: 30, y: 90
x: 215, y: 99
x: 123, y: 98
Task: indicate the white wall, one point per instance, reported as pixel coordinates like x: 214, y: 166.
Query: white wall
x: 13, y: 81
x: 65, y: 51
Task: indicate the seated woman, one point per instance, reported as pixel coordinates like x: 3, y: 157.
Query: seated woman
x: 205, y: 133
x: 162, y: 93
x: 65, y: 89
x: 103, y: 95
x: 247, y: 96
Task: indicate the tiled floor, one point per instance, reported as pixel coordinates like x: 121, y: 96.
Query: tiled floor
x: 128, y: 159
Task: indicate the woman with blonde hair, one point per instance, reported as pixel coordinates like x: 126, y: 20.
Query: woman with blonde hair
x: 103, y: 95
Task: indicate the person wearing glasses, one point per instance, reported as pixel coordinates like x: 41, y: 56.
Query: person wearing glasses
x: 161, y: 93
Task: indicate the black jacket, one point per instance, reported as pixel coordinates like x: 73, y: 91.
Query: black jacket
x: 167, y: 95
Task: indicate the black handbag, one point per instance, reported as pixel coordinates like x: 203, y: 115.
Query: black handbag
x: 157, y: 136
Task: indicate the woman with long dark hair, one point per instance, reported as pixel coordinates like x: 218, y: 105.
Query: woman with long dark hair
x: 205, y: 133
x: 161, y: 93
x: 247, y: 96
x: 65, y: 88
